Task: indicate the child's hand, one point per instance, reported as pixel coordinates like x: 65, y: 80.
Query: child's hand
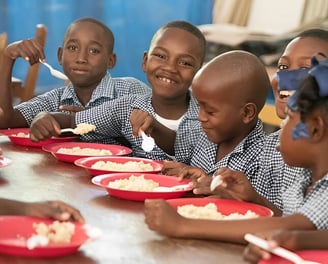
x: 30, y: 50
x: 284, y: 238
x: 235, y: 185
x: 44, y: 126
x: 53, y: 209
x: 141, y: 120
x: 162, y: 217
x: 173, y: 168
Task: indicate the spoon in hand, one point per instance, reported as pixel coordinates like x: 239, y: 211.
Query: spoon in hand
x: 80, y: 129
x: 172, y: 188
x: 148, y: 142
x: 279, y: 251
x: 54, y: 72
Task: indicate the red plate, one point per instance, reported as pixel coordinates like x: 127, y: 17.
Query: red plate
x: 163, y: 180
x: 15, y: 230
x: 320, y: 256
x: 116, y: 150
x: 88, y: 162
x: 225, y: 207
x: 25, y: 141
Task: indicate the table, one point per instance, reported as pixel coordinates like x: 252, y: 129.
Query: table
x: 35, y: 175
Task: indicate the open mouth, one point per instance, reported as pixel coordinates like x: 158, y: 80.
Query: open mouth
x: 285, y: 94
x: 166, y: 80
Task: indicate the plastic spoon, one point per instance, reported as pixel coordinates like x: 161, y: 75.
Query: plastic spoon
x: 216, y: 181
x: 54, y: 72
x: 80, y: 129
x: 279, y: 251
x: 148, y: 143
x: 171, y: 188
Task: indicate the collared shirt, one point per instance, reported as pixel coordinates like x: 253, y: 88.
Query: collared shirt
x: 112, y: 120
x: 245, y: 157
x: 108, y: 89
x: 313, y: 205
x: 274, y: 175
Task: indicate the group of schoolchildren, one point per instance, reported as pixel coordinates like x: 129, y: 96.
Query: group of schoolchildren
x: 204, y: 119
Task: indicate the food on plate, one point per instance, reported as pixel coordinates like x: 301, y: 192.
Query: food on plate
x: 84, y: 128
x: 134, y: 183
x: 210, y: 211
x: 57, y: 232
x: 127, y: 166
x: 84, y: 151
x: 21, y: 134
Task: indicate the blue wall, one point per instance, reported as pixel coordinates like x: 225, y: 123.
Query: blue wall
x: 133, y: 23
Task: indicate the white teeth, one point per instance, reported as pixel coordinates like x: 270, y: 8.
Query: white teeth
x: 286, y: 93
x: 166, y: 80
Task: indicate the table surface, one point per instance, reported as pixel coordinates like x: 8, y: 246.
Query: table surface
x: 35, y: 175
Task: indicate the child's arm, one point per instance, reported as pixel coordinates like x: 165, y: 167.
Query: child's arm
x: 31, y: 51
x: 164, y: 137
x: 46, y: 125
x: 164, y: 219
x: 290, y: 239
x: 52, y: 209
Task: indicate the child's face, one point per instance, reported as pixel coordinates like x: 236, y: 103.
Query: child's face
x: 292, y: 149
x: 297, y: 55
x: 172, y: 61
x: 220, y: 113
x: 85, y: 54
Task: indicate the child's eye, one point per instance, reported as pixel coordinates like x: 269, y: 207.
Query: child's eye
x: 94, y: 51
x: 282, y: 67
x: 159, y: 55
x: 72, y: 47
x: 185, y: 63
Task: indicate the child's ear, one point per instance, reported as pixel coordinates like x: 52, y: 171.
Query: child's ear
x: 59, y: 55
x: 111, y: 61
x: 249, y: 112
x: 317, y: 127
x: 144, y: 61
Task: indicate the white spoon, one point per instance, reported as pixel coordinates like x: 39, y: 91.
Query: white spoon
x: 148, y: 143
x: 54, y: 72
x: 171, y: 188
x: 80, y: 129
x: 279, y: 251
x: 216, y: 181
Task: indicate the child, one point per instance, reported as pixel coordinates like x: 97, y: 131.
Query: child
x: 233, y: 135
x: 274, y: 174
x: 175, y: 54
x: 52, y: 209
x: 303, y: 143
x: 290, y: 239
x: 86, y: 55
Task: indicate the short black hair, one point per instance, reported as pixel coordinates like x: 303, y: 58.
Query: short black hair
x: 109, y: 34
x: 314, y: 33
x: 184, y: 25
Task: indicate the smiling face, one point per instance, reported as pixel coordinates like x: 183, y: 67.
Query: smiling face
x: 297, y: 55
x: 174, y: 57
x: 86, y: 54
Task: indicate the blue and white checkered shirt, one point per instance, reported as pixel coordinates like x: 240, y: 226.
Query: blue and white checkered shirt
x: 313, y: 205
x: 245, y: 157
x: 274, y: 175
x: 112, y: 120
x: 108, y: 89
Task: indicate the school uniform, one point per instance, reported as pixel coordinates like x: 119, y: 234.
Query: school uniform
x: 108, y: 89
x: 112, y: 120
x: 245, y: 157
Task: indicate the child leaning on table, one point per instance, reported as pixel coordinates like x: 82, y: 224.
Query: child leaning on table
x: 231, y: 91
x: 303, y: 143
x: 274, y: 174
x: 175, y: 54
x: 290, y: 239
x: 86, y: 55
